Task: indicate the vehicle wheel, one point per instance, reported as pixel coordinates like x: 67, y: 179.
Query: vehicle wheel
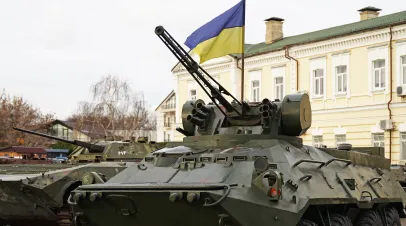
x: 391, y: 216
x: 368, y: 218
x: 340, y: 220
x: 304, y: 222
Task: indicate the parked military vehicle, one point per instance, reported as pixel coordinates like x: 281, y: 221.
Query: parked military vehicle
x: 243, y: 164
x: 47, y: 186
x: 104, y: 150
x: 42, y: 197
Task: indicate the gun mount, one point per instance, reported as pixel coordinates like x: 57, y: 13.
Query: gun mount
x: 93, y: 148
x: 291, y: 117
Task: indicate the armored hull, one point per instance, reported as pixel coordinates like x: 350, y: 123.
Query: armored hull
x: 39, y: 196
x: 190, y: 186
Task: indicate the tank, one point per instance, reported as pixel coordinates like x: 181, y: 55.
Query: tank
x: 243, y: 164
x: 26, y: 187
x: 104, y: 150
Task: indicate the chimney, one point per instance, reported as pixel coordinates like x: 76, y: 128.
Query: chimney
x: 369, y: 12
x: 273, y: 29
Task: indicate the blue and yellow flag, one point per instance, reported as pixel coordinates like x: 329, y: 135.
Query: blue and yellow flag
x: 221, y: 36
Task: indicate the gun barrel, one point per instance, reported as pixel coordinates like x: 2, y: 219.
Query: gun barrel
x: 44, y: 135
x: 91, y: 147
x: 195, y: 70
x: 195, y: 120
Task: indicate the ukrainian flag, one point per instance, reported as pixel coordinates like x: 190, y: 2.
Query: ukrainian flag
x: 221, y: 36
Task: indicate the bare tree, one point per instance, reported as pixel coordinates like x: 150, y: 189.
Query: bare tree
x: 17, y: 112
x: 115, y: 108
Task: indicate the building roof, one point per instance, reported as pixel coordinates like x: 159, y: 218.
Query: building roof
x: 333, y: 32
x: 90, y: 129
x: 57, y: 150
x: 166, y: 98
x: 24, y: 150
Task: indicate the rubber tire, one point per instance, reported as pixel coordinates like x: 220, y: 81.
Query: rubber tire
x: 392, y: 217
x: 369, y: 218
x: 304, y: 222
x: 340, y: 220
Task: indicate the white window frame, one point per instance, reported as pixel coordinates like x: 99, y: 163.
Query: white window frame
x: 254, y: 76
x: 400, y: 52
x: 255, y: 91
x: 343, y: 77
x: 381, y: 143
x: 318, y: 81
x: 192, y: 86
x: 279, y: 72
x: 317, y: 141
x: 340, y: 136
x: 341, y: 59
x: 192, y: 96
x: 377, y: 53
x: 402, y: 142
x: 380, y: 71
x: 315, y: 64
x: 279, y: 88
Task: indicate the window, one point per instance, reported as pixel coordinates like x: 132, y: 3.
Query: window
x: 255, y: 91
x: 341, y: 79
x: 403, y: 144
x: 317, y: 141
x: 278, y: 88
x: 403, y: 69
x: 192, y: 94
x: 378, y: 139
x: 168, y: 122
x: 378, y: 74
x: 318, y: 79
x: 340, y: 139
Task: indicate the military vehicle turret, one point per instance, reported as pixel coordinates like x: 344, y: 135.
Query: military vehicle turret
x: 243, y: 164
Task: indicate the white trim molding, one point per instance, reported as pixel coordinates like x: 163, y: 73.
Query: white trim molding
x: 342, y: 59
x: 317, y: 132
x: 376, y: 129
x: 402, y: 127
x: 278, y: 72
x: 340, y: 131
x: 318, y: 63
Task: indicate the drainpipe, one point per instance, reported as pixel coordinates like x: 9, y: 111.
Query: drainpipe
x: 297, y: 66
x: 390, y: 90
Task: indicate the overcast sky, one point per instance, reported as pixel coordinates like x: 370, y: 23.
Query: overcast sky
x: 51, y: 51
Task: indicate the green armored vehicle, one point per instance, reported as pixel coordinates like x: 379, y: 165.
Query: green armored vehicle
x: 243, y: 164
x: 104, y: 151
x: 39, y: 192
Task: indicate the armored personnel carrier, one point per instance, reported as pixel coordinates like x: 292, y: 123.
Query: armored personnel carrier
x: 243, y: 164
x: 38, y: 192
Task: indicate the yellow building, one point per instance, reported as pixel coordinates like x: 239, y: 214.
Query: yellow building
x: 355, y: 75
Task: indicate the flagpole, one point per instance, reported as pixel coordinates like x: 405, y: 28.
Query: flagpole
x: 242, y: 59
